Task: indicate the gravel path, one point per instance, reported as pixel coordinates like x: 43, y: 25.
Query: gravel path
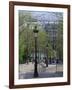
x: 26, y: 70
x: 30, y: 67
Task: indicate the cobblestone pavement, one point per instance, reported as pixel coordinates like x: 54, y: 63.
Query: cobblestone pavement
x: 27, y: 70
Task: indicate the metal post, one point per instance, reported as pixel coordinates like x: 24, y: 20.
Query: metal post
x: 47, y: 57
x: 35, y: 68
x: 35, y: 65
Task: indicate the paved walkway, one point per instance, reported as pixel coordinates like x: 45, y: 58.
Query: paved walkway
x: 27, y: 70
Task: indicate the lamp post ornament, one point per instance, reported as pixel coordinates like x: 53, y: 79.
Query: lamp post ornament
x: 35, y: 65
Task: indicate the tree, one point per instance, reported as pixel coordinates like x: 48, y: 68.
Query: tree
x: 25, y: 35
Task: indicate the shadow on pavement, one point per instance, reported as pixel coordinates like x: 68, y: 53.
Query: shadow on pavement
x: 29, y: 75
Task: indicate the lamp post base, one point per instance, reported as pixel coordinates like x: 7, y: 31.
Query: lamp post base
x: 36, y: 74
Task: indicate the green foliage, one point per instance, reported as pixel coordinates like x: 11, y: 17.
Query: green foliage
x: 25, y: 35
x: 42, y: 39
x: 22, y: 54
x: 26, y: 38
x: 51, y: 52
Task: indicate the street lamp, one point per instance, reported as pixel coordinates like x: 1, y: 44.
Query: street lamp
x: 47, y: 55
x: 35, y: 65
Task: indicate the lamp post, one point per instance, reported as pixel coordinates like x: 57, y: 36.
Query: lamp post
x: 35, y: 65
x: 47, y: 55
